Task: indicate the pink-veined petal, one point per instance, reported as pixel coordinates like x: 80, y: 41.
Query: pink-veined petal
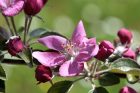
x: 79, y: 34
x: 53, y: 42
x: 14, y: 9
x: 87, y: 53
x: 70, y: 68
x: 49, y: 59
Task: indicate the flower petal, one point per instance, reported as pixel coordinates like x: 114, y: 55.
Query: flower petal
x: 70, y: 68
x: 2, y: 4
x: 49, y: 59
x: 87, y: 53
x: 14, y: 9
x: 53, y: 42
x: 79, y: 34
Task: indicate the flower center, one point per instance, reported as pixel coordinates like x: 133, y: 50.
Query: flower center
x: 70, y: 49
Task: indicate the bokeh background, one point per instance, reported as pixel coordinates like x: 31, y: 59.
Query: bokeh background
x: 102, y: 19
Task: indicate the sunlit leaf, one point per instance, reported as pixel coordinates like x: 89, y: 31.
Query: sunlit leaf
x: 132, y: 78
x: 108, y: 79
x: 61, y: 87
x: 125, y: 66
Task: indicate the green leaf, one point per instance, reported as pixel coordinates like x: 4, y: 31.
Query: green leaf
x: 125, y: 66
x: 4, y: 36
x: 51, y: 33
x: 1, y: 56
x: 132, y: 78
x: 61, y: 87
x: 37, y: 32
x: 108, y: 79
x: 2, y: 86
x: 26, y: 55
x: 125, y: 62
x: 2, y: 73
x: 100, y: 90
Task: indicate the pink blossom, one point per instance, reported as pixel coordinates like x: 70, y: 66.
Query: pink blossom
x: 43, y: 73
x: 32, y: 7
x: 106, y: 48
x: 125, y: 36
x: 129, y: 53
x: 70, y: 54
x: 127, y: 89
x: 11, y: 7
x: 15, y: 45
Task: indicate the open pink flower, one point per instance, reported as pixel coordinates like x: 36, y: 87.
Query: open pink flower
x: 70, y: 54
x: 11, y: 7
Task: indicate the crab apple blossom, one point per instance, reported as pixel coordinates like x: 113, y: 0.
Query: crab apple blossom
x: 70, y: 54
x: 11, y: 7
x: 32, y: 7
x: 106, y: 48
x: 125, y: 36
x: 127, y: 89
x: 15, y: 45
x: 43, y: 74
x: 129, y: 53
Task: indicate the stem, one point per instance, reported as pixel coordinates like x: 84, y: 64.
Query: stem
x: 13, y: 24
x: 25, y: 31
x: 29, y: 24
x: 8, y: 24
x: 51, y: 82
x: 78, y: 79
x: 100, y: 72
x: 94, y: 68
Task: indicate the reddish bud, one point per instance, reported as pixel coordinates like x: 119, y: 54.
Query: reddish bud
x: 15, y: 45
x: 43, y: 74
x: 106, y: 48
x: 125, y: 36
x: 32, y: 7
x: 127, y: 89
x: 129, y: 53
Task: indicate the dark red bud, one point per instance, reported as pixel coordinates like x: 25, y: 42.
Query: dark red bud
x: 129, y: 53
x: 106, y: 48
x: 125, y: 36
x: 127, y: 89
x: 15, y: 45
x: 43, y: 74
x: 32, y: 7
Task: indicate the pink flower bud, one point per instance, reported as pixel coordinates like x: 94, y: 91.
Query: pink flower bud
x: 127, y: 89
x: 125, y: 36
x: 15, y: 45
x: 43, y: 74
x: 129, y: 53
x: 106, y: 48
x: 32, y: 7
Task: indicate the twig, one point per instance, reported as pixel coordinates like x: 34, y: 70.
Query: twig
x: 13, y: 24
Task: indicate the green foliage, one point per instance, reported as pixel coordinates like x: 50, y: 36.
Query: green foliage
x: 37, y: 32
x: 125, y: 66
x: 2, y: 73
x: 132, y: 78
x: 108, y: 79
x: 100, y: 90
x: 26, y: 55
x: 61, y: 87
x: 2, y: 86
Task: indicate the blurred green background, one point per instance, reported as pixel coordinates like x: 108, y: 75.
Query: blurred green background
x: 102, y: 19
